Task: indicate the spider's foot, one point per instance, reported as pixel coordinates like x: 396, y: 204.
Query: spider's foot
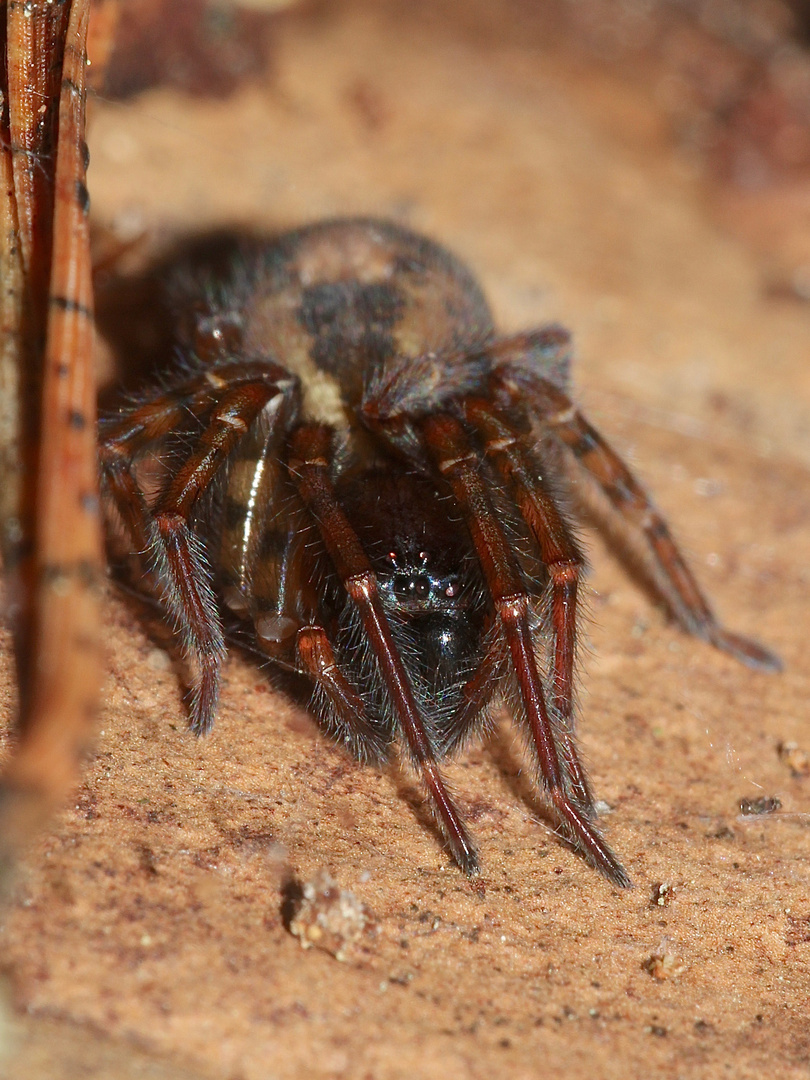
x: 464, y: 852
x: 587, y: 839
x: 204, y: 696
x: 609, y: 866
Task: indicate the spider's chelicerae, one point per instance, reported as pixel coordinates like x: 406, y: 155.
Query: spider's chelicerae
x: 380, y: 486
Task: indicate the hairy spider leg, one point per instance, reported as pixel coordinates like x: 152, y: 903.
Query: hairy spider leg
x: 310, y: 458
x: 458, y: 461
x: 675, y: 583
x: 175, y: 554
x: 273, y: 578
x: 316, y: 658
x: 125, y: 438
x: 560, y: 554
x: 270, y: 575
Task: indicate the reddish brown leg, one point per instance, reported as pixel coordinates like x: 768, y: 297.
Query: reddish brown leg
x: 316, y: 657
x: 674, y: 581
x: 118, y: 479
x: 124, y: 438
x: 448, y: 443
x: 135, y: 429
x: 310, y: 457
x: 560, y: 554
x: 176, y: 556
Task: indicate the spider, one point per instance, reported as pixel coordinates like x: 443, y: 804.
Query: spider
x: 378, y: 486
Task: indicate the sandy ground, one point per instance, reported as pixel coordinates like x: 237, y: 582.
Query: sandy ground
x: 147, y: 938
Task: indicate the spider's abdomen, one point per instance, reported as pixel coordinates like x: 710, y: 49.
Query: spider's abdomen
x: 338, y: 302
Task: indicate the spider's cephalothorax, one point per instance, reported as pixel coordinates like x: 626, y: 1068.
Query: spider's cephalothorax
x: 371, y: 478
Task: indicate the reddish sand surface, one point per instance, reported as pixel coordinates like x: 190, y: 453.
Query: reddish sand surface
x: 147, y: 936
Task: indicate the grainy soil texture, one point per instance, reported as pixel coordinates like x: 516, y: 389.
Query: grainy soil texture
x: 148, y: 935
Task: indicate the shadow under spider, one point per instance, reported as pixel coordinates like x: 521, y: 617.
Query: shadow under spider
x: 502, y: 746
x: 140, y: 314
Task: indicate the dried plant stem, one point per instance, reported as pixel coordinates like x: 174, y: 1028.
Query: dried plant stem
x: 60, y: 667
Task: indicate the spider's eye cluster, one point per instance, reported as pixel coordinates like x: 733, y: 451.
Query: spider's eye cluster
x: 411, y: 586
x: 416, y: 589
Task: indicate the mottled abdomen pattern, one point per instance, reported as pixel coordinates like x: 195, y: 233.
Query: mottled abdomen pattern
x: 339, y: 302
